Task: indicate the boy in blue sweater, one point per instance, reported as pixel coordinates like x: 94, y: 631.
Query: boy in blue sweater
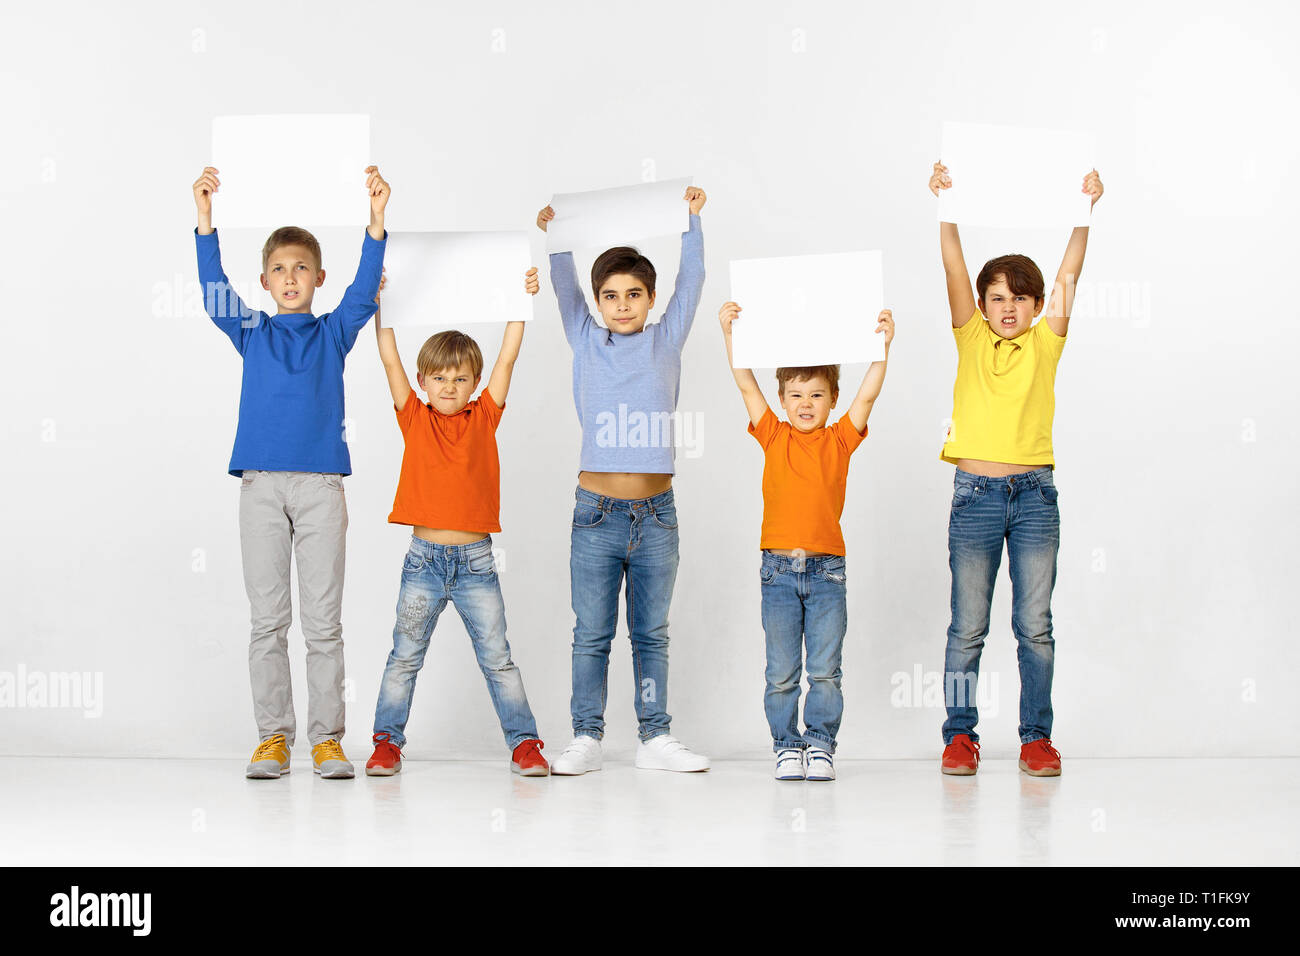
x: 626, y: 378
x: 292, y: 457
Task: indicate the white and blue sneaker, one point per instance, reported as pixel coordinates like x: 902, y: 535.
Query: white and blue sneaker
x: 789, y: 764
x: 821, y: 766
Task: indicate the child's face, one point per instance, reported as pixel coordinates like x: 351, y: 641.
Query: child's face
x: 292, y: 278
x: 625, y: 304
x: 1009, y: 315
x: 448, y: 389
x: 807, y: 402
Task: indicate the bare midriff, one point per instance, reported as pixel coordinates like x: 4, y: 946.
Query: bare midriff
x: 993, y: 469
x: 792, y: 552
x: 445, y: 536
x: 624, y: 484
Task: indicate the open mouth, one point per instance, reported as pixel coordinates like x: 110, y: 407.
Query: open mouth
x: 1008, y: 321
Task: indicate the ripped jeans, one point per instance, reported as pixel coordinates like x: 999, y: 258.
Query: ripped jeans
x: 465, y: 575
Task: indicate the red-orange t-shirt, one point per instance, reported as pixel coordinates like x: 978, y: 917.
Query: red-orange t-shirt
x: 451, y: 477
x: 804, y: 478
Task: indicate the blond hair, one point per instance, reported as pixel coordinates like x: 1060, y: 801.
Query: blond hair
x: 449, y: 350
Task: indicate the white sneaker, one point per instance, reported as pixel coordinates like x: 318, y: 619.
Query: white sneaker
x: 789, y: 764
x: 821, y: 766
x: 666, y: 752
x: 580, y: 756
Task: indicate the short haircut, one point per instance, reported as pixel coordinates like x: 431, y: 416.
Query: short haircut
x: 290, y: 236
x: 622, y: 260
x: 829, y: 372
x: 1019, y: 272
x: 449, y: 350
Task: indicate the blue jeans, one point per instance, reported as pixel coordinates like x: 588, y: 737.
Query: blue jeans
x: 613, y: 537
x: 1020, y: 510
x: 466, y: 575
x: 804, y: 602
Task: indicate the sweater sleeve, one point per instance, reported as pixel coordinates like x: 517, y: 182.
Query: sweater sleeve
x: 680, y: 313
x: 223, y: 305
x: 358, y: 303
x: 574, y: 313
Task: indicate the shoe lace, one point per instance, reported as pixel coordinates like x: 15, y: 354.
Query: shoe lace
x: 530, y: 747
x: 1044, y: 743
x: 328, y: 750
x: 384, y: 747
x: 266, y: 750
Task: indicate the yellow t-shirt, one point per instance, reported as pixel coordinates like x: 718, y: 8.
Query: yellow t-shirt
x: 1005, y: 395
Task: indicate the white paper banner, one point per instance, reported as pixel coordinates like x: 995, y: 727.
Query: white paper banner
x: 807, y: 310
x: 1010, y: 176
x: 455, y: 278
x: 291, y: 170
x: 612, y: 217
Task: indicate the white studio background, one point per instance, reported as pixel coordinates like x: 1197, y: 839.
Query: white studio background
x: 813, y: 129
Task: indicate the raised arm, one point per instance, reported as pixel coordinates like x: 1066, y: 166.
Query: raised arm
x: 1061, y: 303
x: 869, y: 390
x: 223, y: 305
x: 755, y: 403
x: 359, y: 302
x: 689, y: 285
x: 574, y: 314
x: 398, y: 384
x: 499, y: 382
x: 961, y: 299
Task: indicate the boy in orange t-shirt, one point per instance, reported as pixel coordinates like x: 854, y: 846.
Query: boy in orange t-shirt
x: 449, y: 492
x: 805, y: 471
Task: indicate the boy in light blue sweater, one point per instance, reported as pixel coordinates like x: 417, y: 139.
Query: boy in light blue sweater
x: 626, y: 379
x: 291, y: 456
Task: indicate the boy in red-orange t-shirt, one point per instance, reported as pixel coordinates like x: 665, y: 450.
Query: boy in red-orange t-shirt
x: 449, y: 492
x: 805, y: 471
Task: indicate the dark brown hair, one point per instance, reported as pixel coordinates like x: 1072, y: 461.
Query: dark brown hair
x: 622, y: 260
x: 449, y: 350
x: 1019, y: 272
x: 829, y: 372
x: 290, y: 236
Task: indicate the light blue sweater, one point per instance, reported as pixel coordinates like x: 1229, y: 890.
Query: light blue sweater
x: 625, y: 387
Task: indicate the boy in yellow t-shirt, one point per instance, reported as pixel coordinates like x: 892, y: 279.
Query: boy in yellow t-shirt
x: 1001, y: 442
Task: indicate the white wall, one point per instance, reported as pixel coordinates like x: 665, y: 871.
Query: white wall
x: 1175, y: 427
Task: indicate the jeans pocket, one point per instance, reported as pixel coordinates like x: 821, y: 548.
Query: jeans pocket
x: 482, y: 563
x: 1047, y: 491
x: 666, y: 517
x: 586, y: 516
x: 963, y: 493
x: 834, y: 571
x: 767, y: 574
x: 413, y: 563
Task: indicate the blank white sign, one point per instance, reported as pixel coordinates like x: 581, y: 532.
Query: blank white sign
x: 807, y: 310
x: 455, y: 278
x: 613, y: 217
x: 291, y: 170
x: 1011, y: 176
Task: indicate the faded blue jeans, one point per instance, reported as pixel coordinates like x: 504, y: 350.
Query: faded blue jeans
x: 613, y: 537
x: 465, y: 575
x: 1020, y: 510
x: 804, y: 603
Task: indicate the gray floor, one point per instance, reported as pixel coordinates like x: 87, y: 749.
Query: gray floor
x: 82, y: 811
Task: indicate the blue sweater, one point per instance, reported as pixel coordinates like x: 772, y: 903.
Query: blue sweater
x: 291, y: 399
x: 625, y: 387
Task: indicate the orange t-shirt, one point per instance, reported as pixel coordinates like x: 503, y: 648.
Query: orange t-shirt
x: 451, y: 477
x: 804, y: 477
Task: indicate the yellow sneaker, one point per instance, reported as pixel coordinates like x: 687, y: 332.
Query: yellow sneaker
x: 328, y: 760
x: 270, y: 759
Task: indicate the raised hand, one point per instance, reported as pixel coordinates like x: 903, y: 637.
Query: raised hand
x: 379, y: 191
x: 204, y: 187
x: 885, y: 325
x: 545, y: 216
x: 1093, y: 187
x: 939, y: 178
x: 531, y: 283
x: 695, y: 196
x: 729, y: 312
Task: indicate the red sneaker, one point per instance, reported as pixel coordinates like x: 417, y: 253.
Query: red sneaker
x: 528, y: 762
x: 961, y: 757
x: 1039, y: 758
x: 387, y: 758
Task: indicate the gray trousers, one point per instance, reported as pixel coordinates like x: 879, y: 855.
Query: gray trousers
x: 305, y: 511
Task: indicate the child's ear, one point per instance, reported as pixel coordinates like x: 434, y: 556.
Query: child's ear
x: 652, y: 301
x: 320, y: 278
x: 1038, y: 305
x: 419, y: 380
x: 265, y: 285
